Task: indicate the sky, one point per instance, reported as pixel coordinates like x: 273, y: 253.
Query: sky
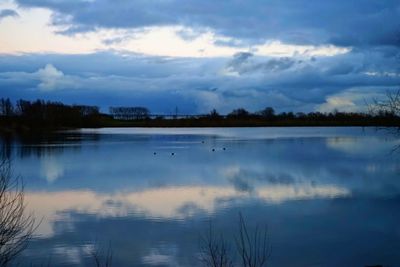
x: 292, y: 55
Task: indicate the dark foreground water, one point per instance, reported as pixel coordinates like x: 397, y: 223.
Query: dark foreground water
x: 330, y: 196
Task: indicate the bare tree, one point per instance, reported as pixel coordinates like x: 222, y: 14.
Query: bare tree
x: 388, y: 110
x: 215, y: 251
x: 387, y: 107
x: 6, y: 107
x: 253, y: 248
x: 16, y: 227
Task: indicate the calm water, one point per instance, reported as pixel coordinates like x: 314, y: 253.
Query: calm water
x: 330, y: 196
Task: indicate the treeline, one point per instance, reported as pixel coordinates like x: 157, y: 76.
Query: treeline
x: 268, y: 117
x: 42, y: 114
x: 141, y: 117
x: 47, y: 114
x: 270, y: 114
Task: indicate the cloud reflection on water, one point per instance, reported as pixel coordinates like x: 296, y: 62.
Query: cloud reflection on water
x: 320, y: 189
x: 163, y: 203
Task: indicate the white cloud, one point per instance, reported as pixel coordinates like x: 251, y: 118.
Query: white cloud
x: 278, y: 49
x: 384, y: 74
x: 352, y: 100
x: 338, y: 103
x: 31, y: 32
x: 50, y: 77
x: 36, y: 34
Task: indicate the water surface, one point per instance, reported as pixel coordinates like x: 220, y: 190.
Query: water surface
x: 330, y: 196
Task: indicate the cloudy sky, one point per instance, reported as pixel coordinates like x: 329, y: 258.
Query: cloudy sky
x: 293, y: 55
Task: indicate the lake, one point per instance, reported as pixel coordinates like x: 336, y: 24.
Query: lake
x: 329, y: 196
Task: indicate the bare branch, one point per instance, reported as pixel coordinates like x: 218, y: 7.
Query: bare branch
x: 215, y: 252
x: 16, y: 227
x: 255, y: 249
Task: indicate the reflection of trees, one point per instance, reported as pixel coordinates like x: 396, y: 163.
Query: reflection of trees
x: 6, y: 141
x: 16, y: 228
x: 102, y: 257
x: 43, y: 144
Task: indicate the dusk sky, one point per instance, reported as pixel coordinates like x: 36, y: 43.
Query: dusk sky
x: 300, y: 55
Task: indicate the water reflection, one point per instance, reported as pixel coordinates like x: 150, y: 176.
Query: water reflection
x: 363, y: 146
x: 163, y: 203
x: 329, y: 195
x: 51, y: 168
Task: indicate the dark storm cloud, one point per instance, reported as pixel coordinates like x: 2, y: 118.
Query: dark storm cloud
x: 8, y: 13
x: 243, y: 63
x: 239, y: 59
x: 301, y: 83
x: 341, y: 22
x: 198, y: 85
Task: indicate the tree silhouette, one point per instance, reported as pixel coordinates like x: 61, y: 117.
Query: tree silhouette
x: 16, y: 227
x: 253, y: 248
x: 268, y: 112
x: 214, y: 114
x: 389, y: 107
x: 239, y: 113
x: 6, y: 107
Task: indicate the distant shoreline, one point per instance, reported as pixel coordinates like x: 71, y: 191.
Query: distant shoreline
x: 46, y: 116
x: 11, y: 127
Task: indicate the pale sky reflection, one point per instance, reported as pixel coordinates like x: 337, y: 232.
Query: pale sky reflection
x: 162, y: 203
